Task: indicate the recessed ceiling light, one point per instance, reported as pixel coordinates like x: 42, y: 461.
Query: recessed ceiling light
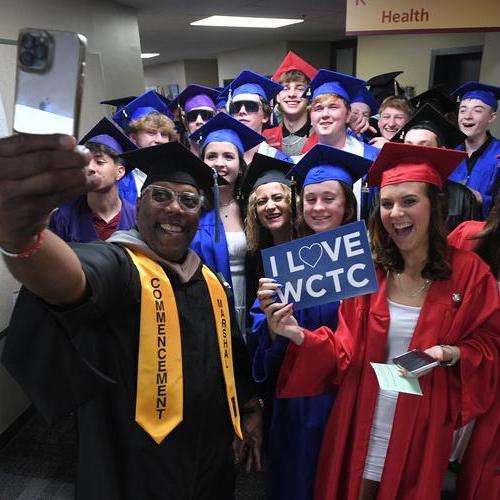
x: 245, y: 22
x: 149, y: 55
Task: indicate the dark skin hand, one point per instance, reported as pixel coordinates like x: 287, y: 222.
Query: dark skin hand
x: 247, y: 452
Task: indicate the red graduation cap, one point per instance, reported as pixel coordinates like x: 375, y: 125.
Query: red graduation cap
x: 294, y: 62
x: 408, y: 163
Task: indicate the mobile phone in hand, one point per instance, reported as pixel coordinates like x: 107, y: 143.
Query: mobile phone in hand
x: 415, y: 361
x: 49, y: 81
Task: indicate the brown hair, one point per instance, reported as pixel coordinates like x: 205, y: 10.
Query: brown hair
x: 397, y: 102
x: 350, y: 211
x: 386, y: 254
x: 294, y: 75
x: 258, y: 236
x: 487, y: 246
x: 155, y: 120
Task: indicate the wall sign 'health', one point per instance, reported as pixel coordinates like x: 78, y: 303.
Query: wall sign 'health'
x: 324, y: 267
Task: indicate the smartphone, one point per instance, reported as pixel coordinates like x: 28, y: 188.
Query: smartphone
x: 49, y: 81
x: 415, y: 361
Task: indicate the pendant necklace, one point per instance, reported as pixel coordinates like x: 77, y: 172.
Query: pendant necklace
x: 417, y: 292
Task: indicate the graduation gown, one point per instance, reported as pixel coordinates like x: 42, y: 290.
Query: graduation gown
x: 72, y: 221
x: 214, y: 254
x: 421, y: 438
x: 274, y: 137
x: 484, y: 175
x: 117, y: 459
x: 296, y: 425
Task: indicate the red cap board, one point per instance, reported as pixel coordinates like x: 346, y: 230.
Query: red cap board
x: 408, y: 163
x: 294, y: 62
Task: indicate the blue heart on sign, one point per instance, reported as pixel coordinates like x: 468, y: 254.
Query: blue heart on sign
x: 311, y: 255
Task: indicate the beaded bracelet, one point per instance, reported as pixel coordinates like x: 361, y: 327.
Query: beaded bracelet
x: 29, y: 252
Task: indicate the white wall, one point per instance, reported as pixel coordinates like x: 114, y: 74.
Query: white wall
x: 263, y: 59
x: 114, y: 69
x: 202, y: 72
x: 490, y: 69
x: 163, y: 75
x: 410, y: 53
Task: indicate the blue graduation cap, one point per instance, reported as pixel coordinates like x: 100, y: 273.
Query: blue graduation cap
x: 248, y: 82
x: 489, y: 94
x: 195, y: 96
x: 331, y: 82
x: 108, y: 134
x: 326, y: 163
x: 366, y: 97
x: 224, y: 128
x: 149, y: 102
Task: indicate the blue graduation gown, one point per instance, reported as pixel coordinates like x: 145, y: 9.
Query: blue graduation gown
x: 214, y: 254
x: 72, y: 221
x: 484, y: 174
x: 297, y: 424
x: 128, y: 188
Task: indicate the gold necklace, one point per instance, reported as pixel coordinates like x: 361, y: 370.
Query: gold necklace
x: 417, y: 292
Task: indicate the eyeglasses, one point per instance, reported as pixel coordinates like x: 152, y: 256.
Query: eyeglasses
x: 190, y: 202
x: 205, y: 114
x: 250, y: 107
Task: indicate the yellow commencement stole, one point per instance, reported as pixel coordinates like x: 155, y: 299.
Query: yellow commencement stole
x: 159, y: 401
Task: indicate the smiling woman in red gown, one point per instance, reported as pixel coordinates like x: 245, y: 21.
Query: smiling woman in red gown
x: 381, y: 444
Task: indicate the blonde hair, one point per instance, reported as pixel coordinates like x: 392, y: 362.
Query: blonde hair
x: 324, y: 97
x: 258, y: 236
x: 157, y: 121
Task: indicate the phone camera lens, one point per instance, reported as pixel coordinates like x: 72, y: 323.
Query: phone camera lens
x: 27, y: 59
x: 28, y: 41
x: 41, y: 52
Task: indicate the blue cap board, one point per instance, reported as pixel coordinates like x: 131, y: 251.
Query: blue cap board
x: 331, y: 82
x: 108, y: 134
x: 147, y: 103
x: 367, y: 98
x: 489, y: 94
x: 326, y: 163
x: 224, y: 128
x: 249, y: 82
x: 195, y: 96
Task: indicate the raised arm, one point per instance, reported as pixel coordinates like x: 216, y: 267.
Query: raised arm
x: 37, y: 173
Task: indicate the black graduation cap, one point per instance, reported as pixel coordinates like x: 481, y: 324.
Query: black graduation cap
x: 120, y: 102
x: 431, y: 119
x: 437, y: 98
x: 174, y: 163
x: 263, y: 170
x: 385, y: 85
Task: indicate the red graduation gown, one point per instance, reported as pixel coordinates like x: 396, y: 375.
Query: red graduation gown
x: 421, y: 438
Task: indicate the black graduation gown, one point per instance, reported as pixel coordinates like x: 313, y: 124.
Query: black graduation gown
x: 117, y: 459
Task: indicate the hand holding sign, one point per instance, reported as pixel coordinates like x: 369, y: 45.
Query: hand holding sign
x: 322, y: 268
x: 279, y: 316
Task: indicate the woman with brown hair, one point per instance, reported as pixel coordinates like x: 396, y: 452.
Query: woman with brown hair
x: 384, y: 444
x: 324, y: 176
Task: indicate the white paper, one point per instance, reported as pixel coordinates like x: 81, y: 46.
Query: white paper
x: 390, y: 379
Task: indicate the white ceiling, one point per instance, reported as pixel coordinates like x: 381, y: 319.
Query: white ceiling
x: 164, y: 25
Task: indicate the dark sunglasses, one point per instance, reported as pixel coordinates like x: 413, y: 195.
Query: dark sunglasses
x: 190, y: 202
x: 250, y: 107
x: 206, y: 114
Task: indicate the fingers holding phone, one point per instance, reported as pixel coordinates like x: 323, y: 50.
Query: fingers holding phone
x: 37, y: 173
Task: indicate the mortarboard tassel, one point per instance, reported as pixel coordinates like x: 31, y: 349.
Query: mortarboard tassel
x: 216, y: 208
x: 293, y: 202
